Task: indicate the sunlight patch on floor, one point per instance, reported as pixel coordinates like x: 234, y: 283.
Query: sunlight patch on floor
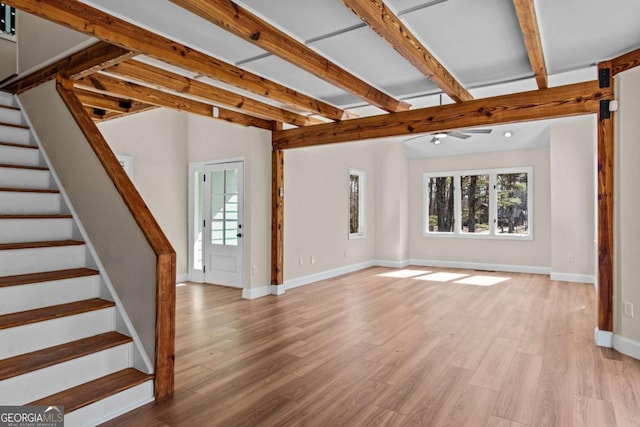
x: 441, y: 277
x: 403, y: 274
x: 481, y: 280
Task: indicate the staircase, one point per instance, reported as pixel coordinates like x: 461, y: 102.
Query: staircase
x: 58, y: 339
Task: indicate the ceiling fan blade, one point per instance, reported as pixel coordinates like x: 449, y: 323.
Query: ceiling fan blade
x: 414, y: 138
x: 434, y: 139
x: 459, y: 135
x: 476, y: 130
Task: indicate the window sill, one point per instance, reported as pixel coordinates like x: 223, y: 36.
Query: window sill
x: 8, y: 38
x: 475, y: 236
x: 357, y: 236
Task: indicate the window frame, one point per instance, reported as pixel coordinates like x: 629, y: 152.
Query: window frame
x: 362, y: 197
x: 493, y: 203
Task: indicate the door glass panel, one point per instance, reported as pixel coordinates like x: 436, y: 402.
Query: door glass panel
x: 217, y: 182
x: 231, y: 207
x: 198, y: 210
x: 231, y: 186
x: 230, y: 233
x: 217, y: 207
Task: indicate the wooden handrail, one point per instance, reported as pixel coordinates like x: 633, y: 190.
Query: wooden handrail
x: 166, y: 255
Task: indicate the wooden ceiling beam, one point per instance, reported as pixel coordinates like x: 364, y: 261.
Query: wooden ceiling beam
x: 239, y: 21
x: 87, y: 61
x: 157, y: 76
x: 562, y: 101
x: 625, y: 62
x: 96, y: 23
x: 106, y: 102
x: 128, y: 90
x: 388, y: 26
x: 526, y: 11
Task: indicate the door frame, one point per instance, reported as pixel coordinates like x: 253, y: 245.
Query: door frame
x: 194, y: 274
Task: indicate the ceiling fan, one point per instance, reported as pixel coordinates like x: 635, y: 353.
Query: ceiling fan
x: 436, y: 138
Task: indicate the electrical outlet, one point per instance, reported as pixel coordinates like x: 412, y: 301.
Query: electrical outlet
x: 628, y: 309
x: 571, y: 259
x: 312, y: 259
x: 345, y: 253
x: 300, y: 261
x: 254, y: 269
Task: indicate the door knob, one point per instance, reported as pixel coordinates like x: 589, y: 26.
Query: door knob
x: 239, y: 235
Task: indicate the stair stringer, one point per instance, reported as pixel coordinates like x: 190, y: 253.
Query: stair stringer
x: 123, y: 323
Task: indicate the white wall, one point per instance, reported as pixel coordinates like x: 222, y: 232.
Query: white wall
x: 41, y: 41
x: 529, y: 253
x: 214, y: 140
x: 392, y: 203
x: 316, y: 194
x: 573, y: 189
x: 626, y: 253
x: 8, y: 58
x: 157, y: 141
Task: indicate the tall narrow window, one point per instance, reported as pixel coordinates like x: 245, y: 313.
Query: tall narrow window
x: 440, y: 218
x: 357, y: 191
x: 7, y: 20
x: 512, y: 198
x: 474, y: 203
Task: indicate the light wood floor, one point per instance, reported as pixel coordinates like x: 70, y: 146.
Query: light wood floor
x: 368, y: 350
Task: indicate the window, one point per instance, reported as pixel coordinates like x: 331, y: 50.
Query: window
x: 496, y: 203
x: 357, y: 191
x: 7, y: 20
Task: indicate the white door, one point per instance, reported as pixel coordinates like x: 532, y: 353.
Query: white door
x: 222, y: 242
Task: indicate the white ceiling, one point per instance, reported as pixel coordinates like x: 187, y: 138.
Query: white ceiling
x: 478, y: 41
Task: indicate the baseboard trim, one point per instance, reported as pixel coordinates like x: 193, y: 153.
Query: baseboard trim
x: 622, y: 344
x: 577, y: 278
x: 253, y: 293
x: 391, y: 264
x: 507, y: 268
x: 301, y: 281
x: 181, y: 278
x: 277, y: 289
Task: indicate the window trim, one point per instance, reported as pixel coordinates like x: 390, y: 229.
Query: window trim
x: 493, y: 203
x: 361, y: 205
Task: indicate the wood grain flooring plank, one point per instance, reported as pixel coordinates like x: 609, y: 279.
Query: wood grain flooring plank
x: 494, y: 367
x: 517, y: 394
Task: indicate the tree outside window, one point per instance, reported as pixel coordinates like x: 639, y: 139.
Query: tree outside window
x: 357, y: 191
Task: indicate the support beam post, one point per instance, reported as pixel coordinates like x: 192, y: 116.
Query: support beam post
x: 277, y: 217
x: 605, y: 215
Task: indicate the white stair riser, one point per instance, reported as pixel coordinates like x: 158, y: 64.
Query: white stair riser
x: 35, y: 230
x: 24, y: 178
x: 37, y: 260
x: 14, y: 135
x: 36, y: 336
x: 9, y: 115
x: 7, y: 99
x: 111, y: 407
x: 35, y: 385
x: 37, y: 295
x: 19, y: 156
x: 14, y: 202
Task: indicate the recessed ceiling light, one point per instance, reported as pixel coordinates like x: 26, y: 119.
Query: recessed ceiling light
x: 440, y: 135
x: 508, y: 134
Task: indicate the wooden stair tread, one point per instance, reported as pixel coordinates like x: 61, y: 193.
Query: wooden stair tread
x: 14, y: 125
x: 28, y: 190
x: 13, y: 144
x: 54, y: 312
x: 35, y: 168
x: 96, y: 390
x: 28, y: 362
x: 8, y: 107
x: 47, y: 276
x: 33, y: 245
x: 36, y: 216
